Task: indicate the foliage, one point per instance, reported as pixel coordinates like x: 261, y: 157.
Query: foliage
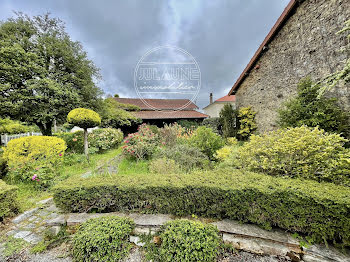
x: 223, y: 153
x: 140, y: 145
x: 43, y: 73
x: 228, y: 118
x: 84, y: 118
x: 8, y: 200
x: 189, y: 124
x: 306, y: 109
x: 130, y: 166
x: 320, y: 210
x: 3, y: 166
x: 164, y: 166
x: 246, y: 122
x: 105, y: 138
x: 298, y: 152
x: 13, y: 246
x: 185, y: 240
x: 185, y: 156
x: 8, y: 126
x: 214, y: 123
x: 342, y: 75
x: 74, y: 141
x: 115, y: 114
x: 206, y: 140
x: 34, y: 158
x: 102, y: 239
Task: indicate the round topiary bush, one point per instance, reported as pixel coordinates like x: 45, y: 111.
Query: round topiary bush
x: 84, y: 118
x: 103, y: 239
x: 298, y: 152
x: 186, y: 241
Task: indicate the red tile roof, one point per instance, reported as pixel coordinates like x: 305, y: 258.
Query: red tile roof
x: 228, y: 98
x: 159, y: 104
x: 183, y: 114
x: 293, y: 4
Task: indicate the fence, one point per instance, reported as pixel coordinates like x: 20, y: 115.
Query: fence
x: 6, y: 138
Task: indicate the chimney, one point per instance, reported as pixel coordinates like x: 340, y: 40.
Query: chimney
x: 211, y: 98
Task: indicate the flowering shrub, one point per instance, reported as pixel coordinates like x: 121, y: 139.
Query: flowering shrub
x: 298, y: 152
x: 206, y: 140
x: 104, y: 138
x: 140, y: 145
x: 174, y: 133
x: 74, y: 141
x: 34, y: 158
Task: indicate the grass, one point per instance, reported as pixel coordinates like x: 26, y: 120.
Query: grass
x: 13, y: 246
x: 74, y: 165
x: 129, y: 166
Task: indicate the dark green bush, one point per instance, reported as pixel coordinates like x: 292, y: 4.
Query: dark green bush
x: 298, y: 152
x: 8, y: 200
x: 102, y: 239
x: 187, y: 241
x: 321, y: 210
x: 74, y: 141
x: 187, y: 157
x: 214, y: 123
x: 3, y: 167
x: 228, y: 118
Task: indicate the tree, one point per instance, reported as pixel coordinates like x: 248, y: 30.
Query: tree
x: 306, y: 109
x: 246, y: 122
x: 342, y: 75
x: 228, y: 117
x: 43, y: 73
x: 84, y: 118
x: 117, y: 115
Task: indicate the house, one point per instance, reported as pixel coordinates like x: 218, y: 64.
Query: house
x: 303, y: 42
x: 160, y: 111
x: 214, y: 108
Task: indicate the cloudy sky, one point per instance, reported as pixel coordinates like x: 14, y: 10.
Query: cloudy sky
x: 222, y: 35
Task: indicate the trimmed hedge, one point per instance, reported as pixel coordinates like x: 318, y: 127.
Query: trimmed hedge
x: 8, y: 202
x: 320, y: 210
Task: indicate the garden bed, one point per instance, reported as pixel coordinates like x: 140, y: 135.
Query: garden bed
x: 320, y: 210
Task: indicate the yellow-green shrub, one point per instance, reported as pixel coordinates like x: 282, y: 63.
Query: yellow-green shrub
x: 164, y: 166
x: 223, y: 153
x: 246, y: 122
x: 8, y: 202
x: 298, y: 152
x: 84, y: 118
x: 34, y: 158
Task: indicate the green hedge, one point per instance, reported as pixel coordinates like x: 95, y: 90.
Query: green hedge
x: 8, y: 202
x: 321, y: 210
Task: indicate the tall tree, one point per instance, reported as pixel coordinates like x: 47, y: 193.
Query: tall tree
x: 228, y: 118
x: 43, y: 73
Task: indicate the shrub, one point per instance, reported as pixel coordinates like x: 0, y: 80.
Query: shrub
x: 34, y: 158
x: 3, y: 167
x: 188, y: 124
x: 185, y: 240
x: 8, y: 200
x: 105, y: 138
x: 8, y: 126
x: 169, y: 133
x: 298, y: 152
x: 84, y: 118
x: 223, y: 153
x: 310, y: 110
x: 102, y: 239
x: 140, y: 145
x: 185, y: 156
x: 214, y: 123
x: 228, y: 118
x: 206, y: 140
x: 246, y: 122
x: 320, y: 210
x: 74, y: 141
x: 164, y: 166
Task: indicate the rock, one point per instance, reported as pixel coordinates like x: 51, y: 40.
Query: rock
x: 54, y: 230
x: 52, y: 208
x: 33, y: 238
x: 134, y: 256
x: 22, y: 234
x: 57, y: 221
x: 150, y: 220
x: 142, y: 230
x: 24, y: 216
x: 293, y: 256
x: 136, y: 240
x: 74, y: 219
x: 320, y: 253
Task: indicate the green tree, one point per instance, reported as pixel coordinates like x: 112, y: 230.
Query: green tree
x: 228, y: 116
x: 117, y: 115
x: 306, y: 109
x: 246, y: 123
x: 43, y: 73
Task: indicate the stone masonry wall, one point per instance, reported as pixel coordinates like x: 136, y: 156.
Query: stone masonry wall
x: 307, y: 45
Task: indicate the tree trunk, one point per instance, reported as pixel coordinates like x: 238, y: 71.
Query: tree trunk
x: 86, y: 144
x: 45, y: 128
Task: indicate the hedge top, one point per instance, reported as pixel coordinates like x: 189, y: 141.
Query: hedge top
x: 84, y: 118
x: 5, y: 187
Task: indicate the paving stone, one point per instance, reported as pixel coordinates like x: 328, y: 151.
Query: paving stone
x: 150, y: 220
x: 57, y: 221
x: 30, y: 226
x: 74, y: 219
x: 33, y: 238
x: 24, y: 216
x: 46, y: 201
x: 22, y: 234
x: 43, y: 213
x: 12, y: 232
x: 137, y: 241
x: 54, y: 230
x: 319, y: 253
x: 142, y: 230
x: 52, y: 208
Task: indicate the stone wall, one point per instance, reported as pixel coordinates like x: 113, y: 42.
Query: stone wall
x: 307, y: 45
